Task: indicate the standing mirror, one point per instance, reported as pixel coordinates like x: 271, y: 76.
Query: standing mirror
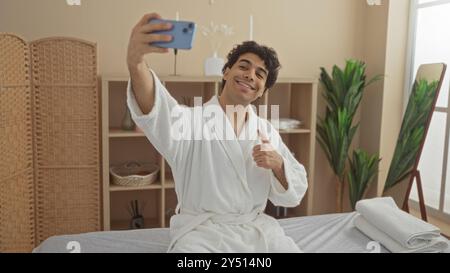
x: 403, y: 170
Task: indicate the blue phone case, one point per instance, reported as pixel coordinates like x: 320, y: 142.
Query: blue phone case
x: 183, y: 33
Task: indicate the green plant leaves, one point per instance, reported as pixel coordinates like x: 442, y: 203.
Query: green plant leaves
x: 343, y: 93
x: 363, y: 168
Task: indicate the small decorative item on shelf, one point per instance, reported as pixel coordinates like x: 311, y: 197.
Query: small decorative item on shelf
x: 287, y: 124
x: 216, y: 35
x: 127, y: 122
x: 134, y: 174
x: 137, y: 220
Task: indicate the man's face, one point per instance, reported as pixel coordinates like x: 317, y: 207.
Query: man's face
x: 246, y: 79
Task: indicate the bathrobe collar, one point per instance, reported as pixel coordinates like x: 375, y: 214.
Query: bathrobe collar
x: 230, y: 142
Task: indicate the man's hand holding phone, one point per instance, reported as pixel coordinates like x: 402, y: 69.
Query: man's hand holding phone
x: 153, y: 34
x: 182, y: 33
x: 142, y: 38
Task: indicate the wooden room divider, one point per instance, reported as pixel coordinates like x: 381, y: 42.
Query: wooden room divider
x: 49, y: 140
x: 17, y: 216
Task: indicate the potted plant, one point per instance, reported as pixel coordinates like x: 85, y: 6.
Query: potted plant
x: 343, y: 93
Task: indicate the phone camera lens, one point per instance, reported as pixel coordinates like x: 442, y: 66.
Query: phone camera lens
x: 191, y: 25
x: 185, y: 30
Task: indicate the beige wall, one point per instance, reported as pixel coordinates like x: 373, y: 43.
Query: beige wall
x: 375, y: 39
x: 386, y: 44
x: 394, y: 86
x: 307, y: 34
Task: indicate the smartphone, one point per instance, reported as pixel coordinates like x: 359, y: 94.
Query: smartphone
x: 182, y: 32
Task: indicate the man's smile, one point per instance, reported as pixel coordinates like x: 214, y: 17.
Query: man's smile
x: 245, y: 85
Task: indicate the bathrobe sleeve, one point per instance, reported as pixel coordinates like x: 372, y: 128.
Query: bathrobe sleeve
x: 156, y: 125
x: 295, y: 175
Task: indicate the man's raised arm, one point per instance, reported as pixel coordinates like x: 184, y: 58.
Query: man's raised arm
x: 142, y: 81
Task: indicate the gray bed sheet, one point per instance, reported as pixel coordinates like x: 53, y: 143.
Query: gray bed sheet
x: 328, y: 233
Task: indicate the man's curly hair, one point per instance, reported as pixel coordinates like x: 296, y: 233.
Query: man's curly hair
x: 268, y: 55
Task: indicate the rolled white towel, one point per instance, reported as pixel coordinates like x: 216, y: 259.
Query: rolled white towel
x: 404, y: 229
x: 435, y: 245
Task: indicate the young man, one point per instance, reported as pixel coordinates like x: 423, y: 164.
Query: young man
x: 222, y: 183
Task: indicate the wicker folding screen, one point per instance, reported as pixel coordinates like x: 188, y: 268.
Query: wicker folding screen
x: 17, y: 231
x: 49, y: 140
x: 67, y: 130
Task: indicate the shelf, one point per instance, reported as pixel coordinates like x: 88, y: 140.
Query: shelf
x: 169, y: 184
x: 118, y: 133
x: 155, y: 186
x: 295, y: 131
x: 125, y: 224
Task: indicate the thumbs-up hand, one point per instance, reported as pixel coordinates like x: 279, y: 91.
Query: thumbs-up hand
x: 265, y: 143
x: 265, y: 156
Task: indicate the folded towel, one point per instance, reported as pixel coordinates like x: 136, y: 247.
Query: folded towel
x: 397, y: 230
x: 434, y: 245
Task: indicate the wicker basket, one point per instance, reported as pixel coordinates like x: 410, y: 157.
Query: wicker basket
x: 134, y: 174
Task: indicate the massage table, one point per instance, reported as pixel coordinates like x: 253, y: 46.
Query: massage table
x: 329, y: 233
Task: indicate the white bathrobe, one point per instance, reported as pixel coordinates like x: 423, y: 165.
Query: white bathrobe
x: 221, y: 192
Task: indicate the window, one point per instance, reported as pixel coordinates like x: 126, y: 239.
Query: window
x: 430, y: 43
